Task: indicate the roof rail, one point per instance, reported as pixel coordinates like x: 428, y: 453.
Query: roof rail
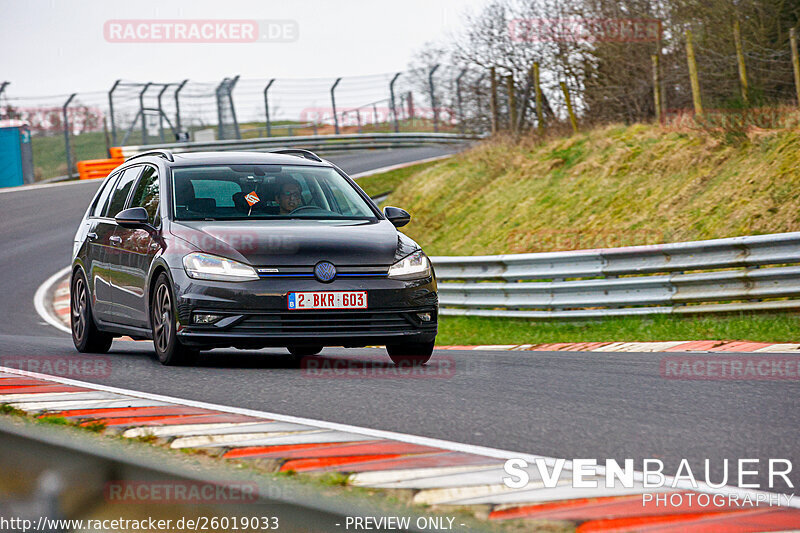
x: 299, y: 152
x: 166, y: 154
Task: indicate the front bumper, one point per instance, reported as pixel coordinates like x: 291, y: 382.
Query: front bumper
x: 255, y: 313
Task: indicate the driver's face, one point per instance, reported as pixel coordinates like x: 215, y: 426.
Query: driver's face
x: 289, y: 198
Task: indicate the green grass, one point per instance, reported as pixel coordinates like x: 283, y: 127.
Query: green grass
x: 385, y: 182
x: 7, y: 409
x: 753, y: 327
x: 608, y: 187
x: 49, y: 153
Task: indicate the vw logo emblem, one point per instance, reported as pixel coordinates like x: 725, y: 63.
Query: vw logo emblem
x: 325, y: 271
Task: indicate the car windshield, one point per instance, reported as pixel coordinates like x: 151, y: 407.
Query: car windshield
x: 236, y: 192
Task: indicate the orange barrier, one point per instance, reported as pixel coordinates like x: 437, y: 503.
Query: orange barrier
x: 90, y: 169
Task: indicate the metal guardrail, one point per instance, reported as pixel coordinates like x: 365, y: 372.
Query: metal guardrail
x: 84, y: 464
x: 321, y: 143
x: 733, y: 274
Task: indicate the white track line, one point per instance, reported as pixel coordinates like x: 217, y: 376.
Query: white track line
x: 34, y: 187
x: 40, y: 300
x: 382, y: 434
x: 399, y: 166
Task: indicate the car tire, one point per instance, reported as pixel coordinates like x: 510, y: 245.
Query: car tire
x: 163, y: 322
x: 304, y: 351
x: 410, y: 353
x: 85, y: 335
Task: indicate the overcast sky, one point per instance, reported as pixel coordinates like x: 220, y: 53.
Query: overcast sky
x: 55, y: 47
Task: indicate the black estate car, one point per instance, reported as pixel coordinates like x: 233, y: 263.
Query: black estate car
x: 219, y: 249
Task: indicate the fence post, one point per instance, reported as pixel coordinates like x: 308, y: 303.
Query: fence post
x: 266, y: 106
x: 795, y: 62
x: 66, y: 133
x: 141, y: 110
x: 394, y: 109
x: 459, y: 101
x: 571, y: 112
x: 737, y: 37
x: 479, y: 94
x: 698, y: 105
x: 233, y: 109
x: 178, y: 105
x: 656, y: 88
x: 110, y: 110
x: 410, y: 102
x: 512, y: 103
x: 537, y: 89
x: 333, y: 105
x: 433, y: 99
x: 220, y: 122
x: 493, y: 98
x: 161, y: 112
x: 358, y: 119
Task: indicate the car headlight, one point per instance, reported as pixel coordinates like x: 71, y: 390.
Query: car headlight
x: 206, y: 266
x: 414, y: 266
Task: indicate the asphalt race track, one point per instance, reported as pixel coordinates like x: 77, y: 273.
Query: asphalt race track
x: 558, y: 404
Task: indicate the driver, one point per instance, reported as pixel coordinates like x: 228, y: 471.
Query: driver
x: 288, y: 194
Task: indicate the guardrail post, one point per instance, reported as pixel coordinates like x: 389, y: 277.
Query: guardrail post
x: 695, y: 82
x: 110, y: 110
x: 459, y: 101
x: 66, y: 133
x: 333, y: 106
x: 141, y: 110
x: 178, y: 105
x: 394, y: 109
x: 433, y: 99
x: 266, y: 106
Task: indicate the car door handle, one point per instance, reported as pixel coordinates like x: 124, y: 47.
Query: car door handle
x: 91, y: 236
x: 114, y: 239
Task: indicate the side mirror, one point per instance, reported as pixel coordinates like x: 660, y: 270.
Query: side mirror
x: 133, y: 217
x: 395, y: 215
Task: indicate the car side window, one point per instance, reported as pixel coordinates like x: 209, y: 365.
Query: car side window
x: 121, y: 191
x: 102, y: 198
x: 147, y: 195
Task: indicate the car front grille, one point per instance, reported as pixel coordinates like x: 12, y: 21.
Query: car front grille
x: 328, y: 322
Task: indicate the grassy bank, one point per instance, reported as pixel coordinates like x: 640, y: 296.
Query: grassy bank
x: 483, y: 330
x: 612, y: 186
x: 386, y: 182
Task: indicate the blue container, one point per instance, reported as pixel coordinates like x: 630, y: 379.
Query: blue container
x: 16, y: 156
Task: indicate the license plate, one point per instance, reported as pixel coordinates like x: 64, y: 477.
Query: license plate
x: 327, y: 300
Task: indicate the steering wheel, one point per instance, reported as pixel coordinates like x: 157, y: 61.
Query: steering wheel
x: 302, y: 208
